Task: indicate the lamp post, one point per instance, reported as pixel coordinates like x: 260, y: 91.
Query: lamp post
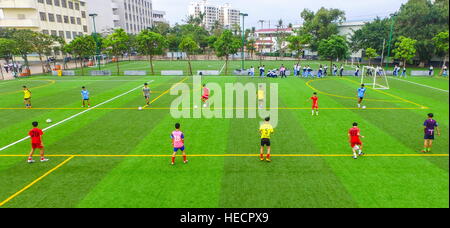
x: 390, y: 39
x: 93, y: 15
x: 243, y: 38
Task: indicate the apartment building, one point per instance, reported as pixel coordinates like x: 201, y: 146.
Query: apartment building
x: 65, y: 18
x: 131, y: 15
x: 224, y: 14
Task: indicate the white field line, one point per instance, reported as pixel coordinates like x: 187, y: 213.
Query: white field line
x: 71, y: 117
x: 415, y: 83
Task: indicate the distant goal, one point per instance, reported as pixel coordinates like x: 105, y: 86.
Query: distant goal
x: 375, y: 77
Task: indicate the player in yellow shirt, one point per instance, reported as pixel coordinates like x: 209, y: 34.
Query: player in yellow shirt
x: 266, y: 131
x: 26, y: 97
x: 261, y: 96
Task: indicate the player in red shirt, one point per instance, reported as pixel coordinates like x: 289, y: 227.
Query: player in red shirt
x: 205, y: 96
x: 354, y: 135
x: 36, y: 142
x: 315, y: 105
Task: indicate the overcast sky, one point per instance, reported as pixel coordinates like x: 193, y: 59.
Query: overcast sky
x: 288, y: 10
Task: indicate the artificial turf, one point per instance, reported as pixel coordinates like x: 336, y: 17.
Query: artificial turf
x: 321, y: 172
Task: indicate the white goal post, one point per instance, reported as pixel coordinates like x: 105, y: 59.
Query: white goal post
x: 375, y: 77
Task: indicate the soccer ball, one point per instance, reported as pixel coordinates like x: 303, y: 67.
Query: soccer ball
x: 195, y: 106
x: 140, y: 108
x: 364, y: 107
x: 48, y: 121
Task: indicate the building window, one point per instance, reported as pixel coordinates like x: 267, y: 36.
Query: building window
x: 49, y: 2
x: 78, y: 20
x: 74, y: 34
x: 43, y: 16
x: 66, y: 19
x: 64, y: 4
x: 61, y: 34
x: 45, y: 32
x: 85, y: 28
x: 68, y: 35
x: 58, y: 18
x: 54, y: 33
x: 77, y: 6
x: 83, y: 14
x: 51, y: 17
x: 57, y: 2
x: 72, y: 20
x: 41, y: 1
x: 70, y: 5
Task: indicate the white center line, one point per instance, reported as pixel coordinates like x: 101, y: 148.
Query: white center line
x: 71, y: 117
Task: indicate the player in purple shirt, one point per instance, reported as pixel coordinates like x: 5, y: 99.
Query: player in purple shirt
x: 430, y: 126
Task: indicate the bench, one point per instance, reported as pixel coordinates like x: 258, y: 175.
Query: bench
x: 420, y: 73
x: 208, y: 72
x: 101, y: 73
x: 64, y: 73
x: 172, y: 73
x: 135, y: 72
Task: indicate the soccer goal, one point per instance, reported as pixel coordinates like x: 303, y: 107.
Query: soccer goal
x: 375, y: 77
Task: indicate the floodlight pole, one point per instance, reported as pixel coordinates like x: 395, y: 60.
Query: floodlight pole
x: 96, y: 40
x: 243, y: 39
x: 390, y: 40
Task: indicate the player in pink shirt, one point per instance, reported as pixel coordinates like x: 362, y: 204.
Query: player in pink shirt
x: 177, y: 137
x: 205, y: 96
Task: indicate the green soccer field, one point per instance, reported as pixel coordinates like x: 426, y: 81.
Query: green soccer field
x: 117, y: 156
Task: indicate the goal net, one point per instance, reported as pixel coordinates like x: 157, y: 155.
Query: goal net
x: 375, y: 77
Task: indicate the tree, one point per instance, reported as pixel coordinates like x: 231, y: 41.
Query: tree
x: 405, y: 49
x: 441, y: 43
x: 227, y: 45
x: 421, y: 20
x: 321, y: 25
x: 131, y: 45
x: 24, y: 39
x: 211, y: 40
x: 251, y: 47
x: 335, y: 47
x: 150, y: 44
x: 7, y: 49
x: 189, y: 46
x: 82, y: 47
x: 173, y: 43
x: 42, y: 44
x: 372, y: 35
x: 116, y: 44
x: 371, y: 53
x: 298, y: 43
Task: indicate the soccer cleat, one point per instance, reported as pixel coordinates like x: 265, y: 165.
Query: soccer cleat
x: 361, y: 154
x: 268, y: 160
x: 44, y: 160
x: 30, y: 161
x: 173, y: 163
x: 262, y: 159
x: 355, y: 157
x: 185, y: 162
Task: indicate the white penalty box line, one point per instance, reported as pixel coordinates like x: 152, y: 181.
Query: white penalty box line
x: 71, y: 117
x: 415, y: 83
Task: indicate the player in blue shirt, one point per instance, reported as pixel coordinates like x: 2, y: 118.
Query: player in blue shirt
x: 85, y: 97
x: 361, y: 94
x: 430, y: 127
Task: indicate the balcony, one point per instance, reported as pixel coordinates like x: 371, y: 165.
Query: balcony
x: 23, y: 4
x: 19, y: 23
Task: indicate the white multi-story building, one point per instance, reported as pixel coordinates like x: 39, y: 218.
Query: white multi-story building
x: 225, y: 14
x: 131, y: 15
x: 65, y: 18
x: 267, y: 39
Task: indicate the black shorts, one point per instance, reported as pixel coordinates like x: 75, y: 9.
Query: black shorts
x: 429, y: 137
x: 361, y: 98
x: 147, y: 97
x: 265, y: 142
